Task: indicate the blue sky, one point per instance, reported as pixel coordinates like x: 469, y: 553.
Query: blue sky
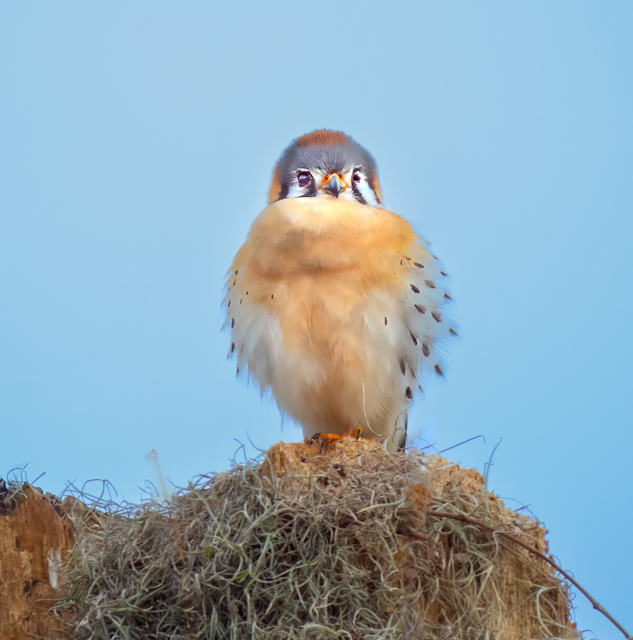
x: 136, y: 147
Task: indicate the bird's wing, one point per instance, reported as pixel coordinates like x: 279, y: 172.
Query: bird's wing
x: 427, y: 314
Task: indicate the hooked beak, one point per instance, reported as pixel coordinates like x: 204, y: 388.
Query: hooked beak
x: 333, y: 184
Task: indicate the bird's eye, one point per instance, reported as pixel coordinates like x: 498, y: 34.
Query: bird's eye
x: 357, y: 176
x: 304, y: 178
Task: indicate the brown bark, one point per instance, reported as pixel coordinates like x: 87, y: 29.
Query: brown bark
x: 35, y: 540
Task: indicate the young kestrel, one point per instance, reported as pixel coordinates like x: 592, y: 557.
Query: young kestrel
x: 333, y: 302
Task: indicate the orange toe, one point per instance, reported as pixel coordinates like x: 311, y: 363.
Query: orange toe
x: 353, y: 433
x: 325, y: 438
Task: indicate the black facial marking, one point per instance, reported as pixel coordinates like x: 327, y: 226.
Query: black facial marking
x: 310, y: 193
x: 420, y: 308
x: 425, y: 349
x: 285, y: 187
x: 415, y: 289
x: 430, y: 284
x: 356, y: 190
x: 436, y: 316
x: 415, y: 340
x: 402, y: 367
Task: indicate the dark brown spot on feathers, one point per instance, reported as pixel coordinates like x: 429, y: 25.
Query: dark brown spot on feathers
x: 444, y: 273
x: 420, y: 308
x: 438, y: 370
x: 247, y: 293
x: 232, y: 322
x: 425, y: 349
x: 430, y: 284
x: 232, y: 347
x: 385, y: 321
x: 408, y: 393
x: 240, y: 300
x: 272, y: 297
x: 234, y: 281
x: 420, y: 266
x: 407, y: 258
x: 436, y: 316
x: 402, y: 367
x: 447, y: 296
x: 237, y: 371
x: 415, y: 340
x: 236, y: 272
x: 452, y: 331
x: 228, y: 305
x: 415, y: 289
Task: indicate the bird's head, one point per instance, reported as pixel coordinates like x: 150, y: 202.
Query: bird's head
x: 326, y: 164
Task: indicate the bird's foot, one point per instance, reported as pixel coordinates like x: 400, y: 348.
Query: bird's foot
x: 325, y: 438
x: 353, y: 433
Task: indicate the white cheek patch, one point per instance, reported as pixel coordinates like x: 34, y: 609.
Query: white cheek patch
x: 295, y: 191
x: 368, y: 193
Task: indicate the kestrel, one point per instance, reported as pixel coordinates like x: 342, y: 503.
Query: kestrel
x: 333, y: 302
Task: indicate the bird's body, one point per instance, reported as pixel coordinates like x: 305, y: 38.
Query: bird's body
x: 335, y: 306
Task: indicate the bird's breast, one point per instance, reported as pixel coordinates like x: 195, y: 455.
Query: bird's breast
x: 328, y: 300
x: 325, y: 243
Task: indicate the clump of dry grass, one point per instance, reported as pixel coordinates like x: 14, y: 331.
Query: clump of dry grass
x: 241, y: 555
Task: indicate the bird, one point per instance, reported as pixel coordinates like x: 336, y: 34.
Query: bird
x: 333, y: 303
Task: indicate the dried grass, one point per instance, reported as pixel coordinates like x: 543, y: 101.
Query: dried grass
x: 240, y: 555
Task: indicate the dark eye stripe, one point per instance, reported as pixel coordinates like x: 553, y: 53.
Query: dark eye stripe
x: 284, y: 191
x: 357, y: 194
x: 310, y: 192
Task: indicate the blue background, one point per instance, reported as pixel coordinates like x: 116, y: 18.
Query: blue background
x: 137, y: 141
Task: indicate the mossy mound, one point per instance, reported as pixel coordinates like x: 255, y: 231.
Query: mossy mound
x: 306, y: 546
